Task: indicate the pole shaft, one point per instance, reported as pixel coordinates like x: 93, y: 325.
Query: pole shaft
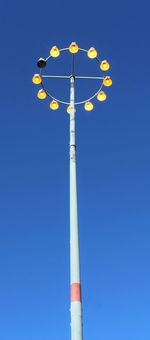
x: 76, y: 304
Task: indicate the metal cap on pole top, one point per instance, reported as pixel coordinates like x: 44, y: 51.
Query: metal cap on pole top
x: 43, y: 93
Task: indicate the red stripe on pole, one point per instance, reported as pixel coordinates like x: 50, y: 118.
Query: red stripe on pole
x: 75, y: 292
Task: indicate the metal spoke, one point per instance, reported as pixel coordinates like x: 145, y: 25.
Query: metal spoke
x: 72, y: 66
x: 93, y: 78
x: 60, y: 77
x: 76, y: 77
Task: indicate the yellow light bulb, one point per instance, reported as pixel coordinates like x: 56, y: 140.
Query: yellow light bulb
x: 54, y: 105
x: 101, y: 96
x: 36, y: 79
x: 73, y: 48
x: 88, y: 106
x: 92, y: 53
x: 41, y: 94
x: 54, y: 52
x: 107, y: 81
x: 104, y: 66
x: 69, y: 109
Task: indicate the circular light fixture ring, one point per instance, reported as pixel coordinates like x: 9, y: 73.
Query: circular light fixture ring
x: 65, y: 102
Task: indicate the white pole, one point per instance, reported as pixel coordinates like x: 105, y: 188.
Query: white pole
x: 76, y: 304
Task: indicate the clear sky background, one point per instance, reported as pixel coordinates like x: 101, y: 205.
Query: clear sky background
x: 113, y: 154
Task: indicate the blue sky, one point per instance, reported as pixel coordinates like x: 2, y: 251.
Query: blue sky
x: 113, y: 157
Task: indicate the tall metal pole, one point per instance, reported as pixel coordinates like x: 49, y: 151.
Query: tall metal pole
x: 76, y: 304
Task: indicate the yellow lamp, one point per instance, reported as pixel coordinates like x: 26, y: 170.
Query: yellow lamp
x: 69, y: 109
x: 107, y: 81
x: 92, y: 53
x: 88, y: 106
x: 54, y: 52
x: 54, y: 105
x: 36, y: 79
x: 101, y: 96
x: 41, y: 94
x: 73, y: 48
x: 104, y: 66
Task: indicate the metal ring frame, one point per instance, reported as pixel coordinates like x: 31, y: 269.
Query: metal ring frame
x: 68, y: 77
